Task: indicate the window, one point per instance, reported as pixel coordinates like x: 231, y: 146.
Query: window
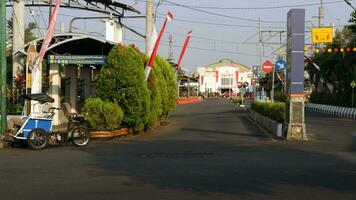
x: 226, y: 81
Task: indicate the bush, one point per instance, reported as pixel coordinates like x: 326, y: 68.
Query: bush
x: 122, y: 80
x: 274, y: 111
x: 169, y: 97
x: 113, y: 115
x: 155, y: 81
x: 280, y: 96
x: 102, y: 115
x: 236, y: 100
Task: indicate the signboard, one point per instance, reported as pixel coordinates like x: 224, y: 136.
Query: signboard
x: 322, y: 35
x: 280, y: 65
x: 77, y: 59
x: 239, y: 84
x: 267, y: 67
x: 245, y: 85
x: 30, y: 61
x: 353, y: 84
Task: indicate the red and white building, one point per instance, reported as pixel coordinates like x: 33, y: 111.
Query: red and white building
x: 224, y: 76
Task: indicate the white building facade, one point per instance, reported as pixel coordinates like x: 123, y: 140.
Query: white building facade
x: 225, y: 76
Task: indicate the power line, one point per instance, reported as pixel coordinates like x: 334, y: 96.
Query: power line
x: 222, y: 15
x: 262, y: 8
x: 165, y: 43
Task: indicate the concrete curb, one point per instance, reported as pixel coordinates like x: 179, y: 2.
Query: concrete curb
x: 336, y: 111
x: 271, y: 125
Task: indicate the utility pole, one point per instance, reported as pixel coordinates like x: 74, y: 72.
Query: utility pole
x: 50, y: 12
x: 3, y: 69
x: 170, y: 53
x: 149, y: 25
x: 260, y: 42
x: 321, y: 18
x: 18, y: 35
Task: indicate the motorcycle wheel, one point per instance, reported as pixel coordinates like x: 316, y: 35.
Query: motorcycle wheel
x: 37, y: 139
x: 81, y: 136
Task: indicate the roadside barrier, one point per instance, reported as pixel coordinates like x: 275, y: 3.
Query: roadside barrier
x: 271, y: 125
x: 335, y: 111
x: 185, y: 100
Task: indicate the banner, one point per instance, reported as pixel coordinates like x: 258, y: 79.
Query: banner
x: 155, y: 49
x: 153, y: 41
x: 237, y: 77
x: 202, y: 80
x: 49, y: 34
x: 184, y: 47
x: 217, y: 76
x: 36, y: 73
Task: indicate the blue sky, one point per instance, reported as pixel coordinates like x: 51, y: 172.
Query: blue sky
x: 217, y: 37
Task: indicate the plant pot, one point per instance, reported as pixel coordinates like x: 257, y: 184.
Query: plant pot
x: 108, y: 133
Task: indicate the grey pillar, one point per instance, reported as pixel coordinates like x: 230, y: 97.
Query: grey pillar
x: 85, y: 74
x: 295, y: 125
x: 18, y: 35
x: 55, y: 90
x: 72, y: 73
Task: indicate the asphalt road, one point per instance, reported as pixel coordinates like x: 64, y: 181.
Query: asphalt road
x: 210, y: 150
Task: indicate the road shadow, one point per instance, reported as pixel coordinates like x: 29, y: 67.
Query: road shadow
x: 224, y: 167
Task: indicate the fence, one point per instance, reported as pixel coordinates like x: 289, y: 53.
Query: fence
x: 336, y: 111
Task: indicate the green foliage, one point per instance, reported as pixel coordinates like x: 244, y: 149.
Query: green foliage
x: 92, y: 111
x: 328, y: 98
x: 280, y: 96
x: 274, y: 111
x: 113, y: 115
x: 102, y: 115
x: 337, y: 70
x: 236, y: 100
x: 155, y: 85
x: 168, y: 99
x: 122, y: 81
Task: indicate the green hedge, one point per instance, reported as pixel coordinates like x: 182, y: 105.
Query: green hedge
x: 122, y: 80
x: 280, y: 96
x: 236, y: 100
x: 102, y: 115
x: 169, y: 99
x: 274, y: 111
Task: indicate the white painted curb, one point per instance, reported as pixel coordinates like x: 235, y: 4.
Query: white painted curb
x: 335, y: 111
x: 271, y: 125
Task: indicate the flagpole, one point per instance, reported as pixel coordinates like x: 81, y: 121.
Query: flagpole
x: 185, y: 45
x: 155, y: 49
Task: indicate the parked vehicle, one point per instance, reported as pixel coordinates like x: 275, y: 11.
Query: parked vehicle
x: 37, y: 129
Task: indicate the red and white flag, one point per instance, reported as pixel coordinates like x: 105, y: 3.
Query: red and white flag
x: 155, y: 49
x: 184, y: 47
x: 36, y: 73
x: 153, y: 41
x: 49, y: 34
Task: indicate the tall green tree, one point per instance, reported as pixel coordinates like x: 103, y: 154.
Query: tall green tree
x: 337, y: 69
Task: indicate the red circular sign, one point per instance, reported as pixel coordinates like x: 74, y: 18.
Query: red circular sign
x: 239, y: 84
x: 267, y: 67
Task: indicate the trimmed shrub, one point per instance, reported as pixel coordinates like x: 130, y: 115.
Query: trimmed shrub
x: 122, y: 80
x: 155, y: 85
x: 236, y: 100
x: 168, y: 99
x: 113, y: 115
x: 92, y: 111
x: 274, y: 111
x: 102, y: 115
x: 280, y: 96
